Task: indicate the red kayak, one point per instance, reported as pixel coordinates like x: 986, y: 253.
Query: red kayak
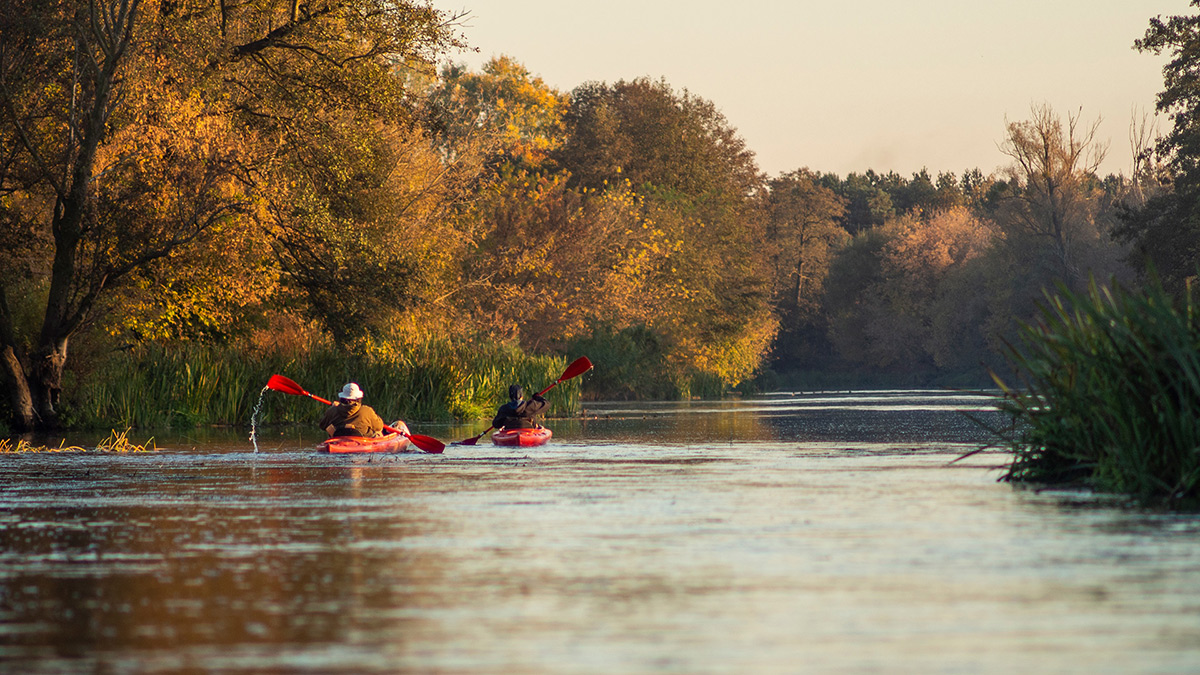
x: 386, y: 443
x: 521, y: 437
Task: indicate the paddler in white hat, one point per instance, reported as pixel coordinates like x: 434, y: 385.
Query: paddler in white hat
x: 349, y: 417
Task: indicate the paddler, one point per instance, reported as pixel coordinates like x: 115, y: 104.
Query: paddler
x: 519, y: 413
x: 349, y: 417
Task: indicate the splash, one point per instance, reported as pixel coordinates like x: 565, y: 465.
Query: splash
x: 254, y: 419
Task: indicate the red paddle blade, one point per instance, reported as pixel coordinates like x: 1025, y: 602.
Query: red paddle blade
x: 578, y: 367
x: 281, y: 383
x: 427, y: 443
x: 470, y: 441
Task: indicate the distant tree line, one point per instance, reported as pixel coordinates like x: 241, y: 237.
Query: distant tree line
x: 269, y: 174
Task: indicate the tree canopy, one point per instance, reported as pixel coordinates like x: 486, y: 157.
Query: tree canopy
x: 231, y: 173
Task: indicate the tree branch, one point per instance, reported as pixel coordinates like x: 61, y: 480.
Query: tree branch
x: 275, y: 37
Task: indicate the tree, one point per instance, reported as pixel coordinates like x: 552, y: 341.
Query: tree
x: 700, y: 187
x: 894, y: 292
x: 803, y: 235
x: 867, y: 204
x: 133, y: 129
x: 1165, y: 228
x: 1051, y: 183
x: 503, y: 104
x: 645, y: 133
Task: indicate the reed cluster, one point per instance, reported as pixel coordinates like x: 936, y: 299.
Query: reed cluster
x: 1109, y: 395
x: 153, y: 386
x: 115, y: 442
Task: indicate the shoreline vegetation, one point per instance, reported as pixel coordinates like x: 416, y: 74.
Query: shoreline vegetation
x: 1107, y: 396
x: 156, y: 387
x: 436, y: 234
x: 116, y: 442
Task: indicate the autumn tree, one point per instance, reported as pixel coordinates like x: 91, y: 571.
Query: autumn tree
x: 133, y: 129
x: 1051, y: 191
x: 504, y: 106
x: 67, y: 72
x: 895, y: 297
x: 803, y: 235
x: 698, y: 185
x: 644, y: 132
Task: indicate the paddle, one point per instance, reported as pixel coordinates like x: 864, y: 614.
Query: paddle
x: 426, y: 443
x: 577, y: 367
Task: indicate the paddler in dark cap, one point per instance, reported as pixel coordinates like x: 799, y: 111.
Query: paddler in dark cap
x: 519, y: 413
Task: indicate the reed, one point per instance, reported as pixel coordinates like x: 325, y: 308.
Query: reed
x: 153, y: 386
x: 116, y: 442
x: 1108, y: 395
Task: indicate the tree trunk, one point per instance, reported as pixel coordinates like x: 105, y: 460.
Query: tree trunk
x: 24, y: 418
x: 46, y: 381
x: 12, y: 371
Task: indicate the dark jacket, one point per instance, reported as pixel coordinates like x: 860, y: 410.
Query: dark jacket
x: 352, y: 418
x: 519, y: 414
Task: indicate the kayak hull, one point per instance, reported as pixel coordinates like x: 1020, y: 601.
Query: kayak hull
x: 523, y: 438
x: 360, y: 444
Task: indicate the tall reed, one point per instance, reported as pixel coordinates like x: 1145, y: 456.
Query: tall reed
x: 1109, y: 395
x: 152, y: 386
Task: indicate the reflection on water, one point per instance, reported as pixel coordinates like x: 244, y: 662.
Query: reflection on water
x: 920, y: 416
x: 780, y: 534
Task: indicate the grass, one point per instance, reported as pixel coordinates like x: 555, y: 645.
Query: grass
x: 1108, y: 395
x: 159, y: 387
x: 116, y: 442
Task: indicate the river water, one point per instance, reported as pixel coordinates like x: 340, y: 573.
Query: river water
x: 822, y: 533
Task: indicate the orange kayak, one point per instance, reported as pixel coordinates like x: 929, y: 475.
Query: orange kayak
x: 344, y: 444
x: 521, y: 437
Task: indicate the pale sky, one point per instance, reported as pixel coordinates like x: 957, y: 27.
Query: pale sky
x: 849, y: 85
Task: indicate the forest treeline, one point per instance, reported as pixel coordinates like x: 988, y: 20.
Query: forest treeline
x: 275, y: 177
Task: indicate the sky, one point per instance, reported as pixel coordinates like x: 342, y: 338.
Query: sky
x: 844, y: 86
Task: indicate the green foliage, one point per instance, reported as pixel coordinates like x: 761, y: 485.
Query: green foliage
x: 803, y: 236
x: 644, y: 132
x: 156, y: 387
x: 143, y: 139
x: 1180, y: 37
x: 1164, y: 226
x: 629, y: 363
x: 637, y: 362
x: 503, y: 105
x: 1109, y: 395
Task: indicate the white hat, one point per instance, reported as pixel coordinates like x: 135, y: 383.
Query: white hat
x: 351, y: 392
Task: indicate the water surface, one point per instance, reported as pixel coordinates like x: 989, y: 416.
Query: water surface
x: 790, y: 533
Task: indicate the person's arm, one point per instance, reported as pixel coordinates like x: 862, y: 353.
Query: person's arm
x: 535, y: 405
x: 327, y: 420
x: 376, y: 422
x: 502, y: 416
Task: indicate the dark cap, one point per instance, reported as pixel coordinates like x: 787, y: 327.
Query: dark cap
x: 515, y: 392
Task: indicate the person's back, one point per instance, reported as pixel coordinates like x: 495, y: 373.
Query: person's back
x: 349, y: 417
x: 518, y: 413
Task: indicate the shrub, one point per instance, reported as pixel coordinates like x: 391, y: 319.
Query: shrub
x: 1109, y: 394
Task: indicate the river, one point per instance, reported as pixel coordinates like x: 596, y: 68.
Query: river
x: 799, y: 532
